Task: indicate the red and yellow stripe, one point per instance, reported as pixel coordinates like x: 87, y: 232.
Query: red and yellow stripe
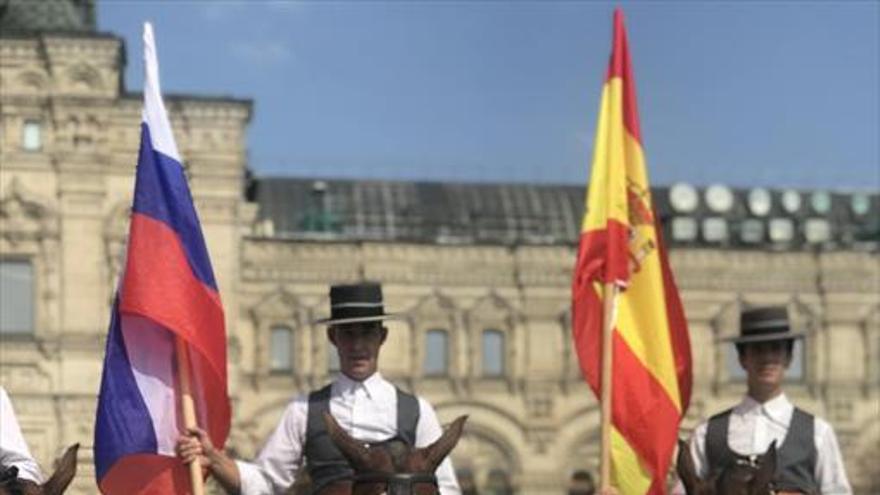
x: 620, y: 243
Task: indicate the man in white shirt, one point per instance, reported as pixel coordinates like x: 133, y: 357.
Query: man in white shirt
x: 367, y: 406
x: 13, y: 449
x: 808, y: 456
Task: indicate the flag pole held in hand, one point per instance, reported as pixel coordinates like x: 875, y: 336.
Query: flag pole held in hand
x: 188, y: 410
x: 166, y: 346
x: 628, y: 324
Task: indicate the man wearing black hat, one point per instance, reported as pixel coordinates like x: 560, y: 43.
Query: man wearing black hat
x: 367, y: 406
x: 808, y: 456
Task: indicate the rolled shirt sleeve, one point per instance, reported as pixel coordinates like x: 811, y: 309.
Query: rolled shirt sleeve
x: 697, y: 445
x: 252, y: 479
x: 428, y: 430
x: 279, y: 461
x: 13, y: 449
x: 830, y: 472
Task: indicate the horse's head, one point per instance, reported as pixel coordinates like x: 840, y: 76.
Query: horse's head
x: 11, y: 484
x: 393, y: 466
x: 745, y: 477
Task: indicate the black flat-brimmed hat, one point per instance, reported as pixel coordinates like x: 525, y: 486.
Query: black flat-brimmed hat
x: 764, y: 325
x: 356, y: 303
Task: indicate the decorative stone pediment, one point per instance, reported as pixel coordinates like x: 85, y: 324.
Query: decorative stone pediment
x: 26, y: 215
x: 804, y: 314
x: 434, y: 305
x: 725, y: 320
x: 84, y: 77
x: 81, y: 130
x: 279, y: 305
x: 494, y: 307
x: 25, y: 378
x: 30, y: 82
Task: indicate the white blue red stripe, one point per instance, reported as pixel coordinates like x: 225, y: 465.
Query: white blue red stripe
x: 167, y: 290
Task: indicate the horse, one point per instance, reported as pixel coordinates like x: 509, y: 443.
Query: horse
x: 392, y: 466
x: 748, y: 476
x: 11, y: 484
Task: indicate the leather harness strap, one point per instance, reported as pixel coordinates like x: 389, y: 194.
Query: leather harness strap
x: 394, y: 478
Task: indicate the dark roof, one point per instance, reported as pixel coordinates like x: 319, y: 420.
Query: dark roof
x: 44, y: 16
x: 486, y: 213
x: 422, y: 211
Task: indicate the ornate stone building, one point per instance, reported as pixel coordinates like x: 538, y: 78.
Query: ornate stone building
x: 481, y: 271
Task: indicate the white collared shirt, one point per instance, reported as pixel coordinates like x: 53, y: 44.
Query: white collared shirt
x: 366, y: 410
x: 13, y: 449
x: 754, y: 426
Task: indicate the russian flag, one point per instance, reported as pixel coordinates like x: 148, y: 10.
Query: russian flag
x: 166, y: 292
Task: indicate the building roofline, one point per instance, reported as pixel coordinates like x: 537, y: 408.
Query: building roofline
x: 32, y: 34
x: 378, y: 180
x: 190, y: 97
x: 491, y: 182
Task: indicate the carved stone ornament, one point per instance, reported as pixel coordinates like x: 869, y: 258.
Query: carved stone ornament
x: 115, y: 228
x: 25, y: 215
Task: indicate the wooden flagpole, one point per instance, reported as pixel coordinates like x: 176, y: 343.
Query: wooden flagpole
x: 608, y: 316
x: 188, y: 409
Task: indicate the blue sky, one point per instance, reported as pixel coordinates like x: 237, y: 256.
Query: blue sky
x: 780, y: 94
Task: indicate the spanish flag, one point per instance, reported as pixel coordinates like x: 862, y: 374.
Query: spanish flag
x: 620, y: 244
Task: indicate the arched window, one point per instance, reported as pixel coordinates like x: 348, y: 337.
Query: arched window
x: 436, y: 361
x: 493, y: 353
x: 795, y: 371
x: 16, y: 297
x: 281, y: 349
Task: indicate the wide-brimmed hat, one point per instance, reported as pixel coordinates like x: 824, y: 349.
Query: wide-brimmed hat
x: 356, y: 303
x: 764, y: 325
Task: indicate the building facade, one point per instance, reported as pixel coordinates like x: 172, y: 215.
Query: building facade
x: 482, y: 273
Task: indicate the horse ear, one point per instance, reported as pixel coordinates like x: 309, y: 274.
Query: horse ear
x: 766, y: 471
x: 62, y: 476
x: 356, y: 452
x: 686, y: 470
x: 437, y: 451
